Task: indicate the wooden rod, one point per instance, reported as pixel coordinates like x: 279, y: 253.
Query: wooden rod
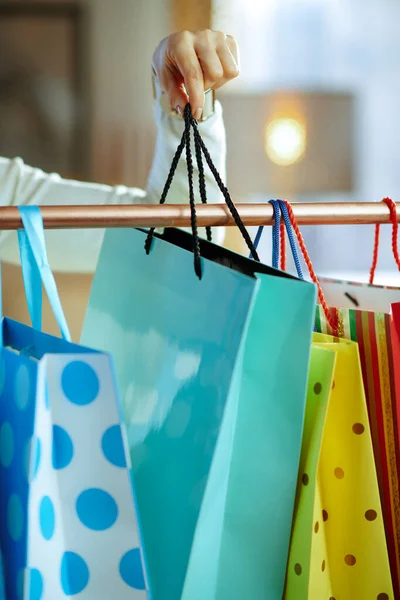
x: 178, y: 215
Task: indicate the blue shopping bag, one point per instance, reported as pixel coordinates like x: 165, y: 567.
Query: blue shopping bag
x: 213, y: 376
x: 67, y: 515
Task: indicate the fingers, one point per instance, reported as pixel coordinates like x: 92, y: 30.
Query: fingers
x: 234, y: 48
x: 211, y: 66
x: 192, y: 75
x: 172, y: 82
x: 189, y: 63
x: 230, y: 68
x: 218, y: 56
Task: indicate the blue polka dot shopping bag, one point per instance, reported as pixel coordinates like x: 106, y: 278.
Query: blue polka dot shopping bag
x: 213, y: 377
x: 68, y: 524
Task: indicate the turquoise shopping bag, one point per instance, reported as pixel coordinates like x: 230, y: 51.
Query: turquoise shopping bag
x: 212, y: 365
x: 212, y: 376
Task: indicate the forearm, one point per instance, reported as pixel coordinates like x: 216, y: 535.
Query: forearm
x: 69, y: 250
x: 21, y: 184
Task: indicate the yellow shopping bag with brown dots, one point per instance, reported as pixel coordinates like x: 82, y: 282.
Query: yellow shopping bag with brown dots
x: 338, y: 547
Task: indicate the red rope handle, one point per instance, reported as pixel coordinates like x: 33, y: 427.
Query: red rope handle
x: 375, y: 255
x: 395, y: 229
x: 331, y: 319
x: 282, y: 251
x: 395, y: 248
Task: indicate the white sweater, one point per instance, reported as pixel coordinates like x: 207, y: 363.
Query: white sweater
x: 77, y: 250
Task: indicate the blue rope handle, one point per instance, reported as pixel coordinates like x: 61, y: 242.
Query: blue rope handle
x: 289, y: 229
x: 292, y: 241
x: 280, y: 208
x: 275, y: 235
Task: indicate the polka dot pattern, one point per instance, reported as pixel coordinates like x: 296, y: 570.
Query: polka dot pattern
x: 51, y: 452
x: 6, y: 444
x: 74, y: 574
x: 15, y: 517
x: 63, y: 449
x: 131, y: 570
x: 339, y: 473
x: 35, y: 585
x: 22, y: 387
x: 82, y: 481
x: 297, y: 569
x: 17, y: 389
x: 338, y: 540
x: 317, y: 388
x: 112, y: 446
x: 80, y: 383
x: 358, y: 428
x: 350, y: 560
x: 371, y: 515
x: 96, y: 509
x: 47, y: 518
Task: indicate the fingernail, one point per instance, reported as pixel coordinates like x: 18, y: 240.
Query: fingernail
x: 179, y: 111
x: 198, y: 113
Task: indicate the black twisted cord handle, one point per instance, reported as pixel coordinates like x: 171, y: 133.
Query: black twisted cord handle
x: 200, y: 148
x: 202, y: 181
x: 190, y: 170
x: 225, y: 193
x: 184, y: 143
x: 167, y: 186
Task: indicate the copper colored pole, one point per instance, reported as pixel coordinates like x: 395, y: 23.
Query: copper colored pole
x: 178, y: 215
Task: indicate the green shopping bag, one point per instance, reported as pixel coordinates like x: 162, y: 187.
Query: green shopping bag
x: 320, y: 379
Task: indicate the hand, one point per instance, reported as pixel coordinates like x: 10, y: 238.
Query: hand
x: 191, y: 62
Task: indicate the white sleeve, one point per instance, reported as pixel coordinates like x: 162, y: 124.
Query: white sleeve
x: 169, y: 135
x: 77, y: 250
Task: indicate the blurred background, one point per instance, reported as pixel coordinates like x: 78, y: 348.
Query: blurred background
x: 313, y: 116
x: 322, y: 79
